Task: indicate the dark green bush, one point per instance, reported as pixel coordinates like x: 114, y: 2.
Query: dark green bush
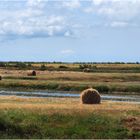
x: 43, y: 67
x: 102, y: 88
x: 63, y: 67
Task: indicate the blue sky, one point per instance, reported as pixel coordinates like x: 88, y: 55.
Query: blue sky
x: 70, y: 30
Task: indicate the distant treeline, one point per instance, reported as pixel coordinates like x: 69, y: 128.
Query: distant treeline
x: 76, y: 66
x: 57, y: 62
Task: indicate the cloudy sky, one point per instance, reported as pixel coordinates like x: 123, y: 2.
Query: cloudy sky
x: 70, y: 30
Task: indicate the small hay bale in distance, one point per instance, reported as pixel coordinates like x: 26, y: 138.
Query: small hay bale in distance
x: 33, y: 73
x: 86, y: 70
x: 90, y: 96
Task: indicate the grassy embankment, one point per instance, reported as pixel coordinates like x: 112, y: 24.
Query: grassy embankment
x: 70, y: 81
x: 67, y: 118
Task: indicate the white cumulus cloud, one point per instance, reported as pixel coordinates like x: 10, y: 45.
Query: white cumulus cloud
x: 119, y: 24
x: 115, y: 9
x: 68, y: 51
x: 71, y: 4
x: 36, y: 3
x: 32, y: 21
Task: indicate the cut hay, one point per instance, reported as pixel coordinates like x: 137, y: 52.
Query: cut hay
x: 86, y: 70
x: 90, y: 96
x: 33, y: 73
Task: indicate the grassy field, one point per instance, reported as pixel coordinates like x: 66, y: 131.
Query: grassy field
x: 67, y: 118
x: 126, y: 83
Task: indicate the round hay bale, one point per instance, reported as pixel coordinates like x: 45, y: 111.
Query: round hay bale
x: 90, y: 96
x: 33, y: 73
x: 86, y: 70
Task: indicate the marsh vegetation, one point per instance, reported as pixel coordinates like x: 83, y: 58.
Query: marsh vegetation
x: 32, y: 117
x: 67, y: 118
x: 62, y: 79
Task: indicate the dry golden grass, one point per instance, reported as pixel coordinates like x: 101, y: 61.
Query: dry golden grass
x: 60, y: 114
x: 64, y: 105
x: 75, y: 76
x: 97, y: 65
x: 57, y: 65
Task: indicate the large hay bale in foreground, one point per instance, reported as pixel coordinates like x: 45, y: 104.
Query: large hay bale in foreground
x: 90, y: 96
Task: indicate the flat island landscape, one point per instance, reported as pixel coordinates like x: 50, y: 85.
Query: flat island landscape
x: 48, y: 105
x: 69, y: 69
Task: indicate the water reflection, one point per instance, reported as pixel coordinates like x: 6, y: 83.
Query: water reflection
x: 74, y: 95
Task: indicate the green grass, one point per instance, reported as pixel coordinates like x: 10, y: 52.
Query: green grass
x: 72, y: 81
x: 67, y: 118
x: 72, y: 86
x: 24, y: 124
